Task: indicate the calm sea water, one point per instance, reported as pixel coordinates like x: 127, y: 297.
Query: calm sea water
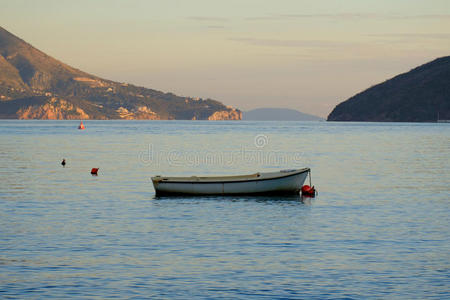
x: 379, y: 227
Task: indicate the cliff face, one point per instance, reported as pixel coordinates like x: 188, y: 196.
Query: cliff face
x: 226, y: 115
x: 416, y: 96
x: 54, y: 109
x: 35, y: 85
x: 141, y: 113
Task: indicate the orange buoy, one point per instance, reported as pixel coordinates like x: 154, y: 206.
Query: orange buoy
x: 81, y: 125
x: 94, y: 171
x: 308, y: 191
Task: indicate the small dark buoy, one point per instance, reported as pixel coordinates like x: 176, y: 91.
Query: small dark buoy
x: 63, y: 163
x: 94, y: 171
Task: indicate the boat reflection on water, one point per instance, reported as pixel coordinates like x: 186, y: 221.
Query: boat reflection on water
x: 240, y: 198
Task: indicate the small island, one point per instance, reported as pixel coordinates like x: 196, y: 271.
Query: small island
x: 277, y: 114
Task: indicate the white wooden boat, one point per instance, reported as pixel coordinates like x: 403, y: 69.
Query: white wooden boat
x: 282, y: 182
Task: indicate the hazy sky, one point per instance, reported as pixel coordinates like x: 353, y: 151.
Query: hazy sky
x: 302, y: 54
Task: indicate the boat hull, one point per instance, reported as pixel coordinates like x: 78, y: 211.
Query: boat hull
x: 279, y: 183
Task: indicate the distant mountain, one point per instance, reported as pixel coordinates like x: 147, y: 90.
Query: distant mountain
x: 277, y: 114
x: 416, y: 96
x: 34, y: 85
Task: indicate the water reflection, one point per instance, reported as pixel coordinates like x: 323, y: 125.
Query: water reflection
x: 239, y: 198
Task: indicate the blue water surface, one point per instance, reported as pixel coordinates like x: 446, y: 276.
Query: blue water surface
x: 379, y: 228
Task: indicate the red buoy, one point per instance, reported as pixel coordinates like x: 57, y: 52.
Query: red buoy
x: 81, y: 126
x: 308, y: 191
x: 94, y: 171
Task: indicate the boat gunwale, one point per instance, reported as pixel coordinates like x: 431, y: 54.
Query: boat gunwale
x: 160, y: 180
